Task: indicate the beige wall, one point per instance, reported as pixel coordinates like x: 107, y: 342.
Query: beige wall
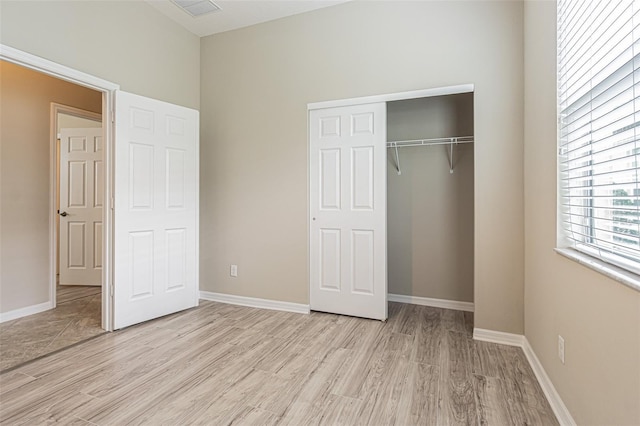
x: 128, y: 43
x: 255, y: 85
x: 599, y: 318
x: 24, y: 179
x: 430, y: 210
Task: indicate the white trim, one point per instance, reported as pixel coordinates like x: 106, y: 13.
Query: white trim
x: 254, y: 302
x: 561, y: 411
x: 557, y: 405
x: 614, y: 272
x: 436, y: 303
x: 389, y: 97
x: 108, y: 89
x: 23, y: 312
x: 53, y: 69
x: 498, y: 337
x: 197, y: 192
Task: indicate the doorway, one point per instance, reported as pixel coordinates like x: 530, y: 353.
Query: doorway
x: 150, y: 246
x: 79, y: 165
x: 30, y: 138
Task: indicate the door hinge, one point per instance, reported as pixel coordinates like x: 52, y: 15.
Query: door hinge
x: 111, y: 290
x: 112, y: 203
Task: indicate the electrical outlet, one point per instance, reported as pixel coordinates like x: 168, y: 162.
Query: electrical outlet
x: 561, y: 348
x: 234, y: 270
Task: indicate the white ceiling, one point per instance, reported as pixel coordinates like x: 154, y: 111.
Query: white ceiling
x: 238, y: 13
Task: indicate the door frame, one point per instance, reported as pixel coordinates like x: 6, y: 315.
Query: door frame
x: 56, y: 109
x: 107, y: 89
x: 389, y: 97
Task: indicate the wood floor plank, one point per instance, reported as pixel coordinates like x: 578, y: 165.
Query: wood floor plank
x: 67, y: 293
x: 453, y: 320
x: 341, y: 411
x: 13, y: 380
x: 428, y: 337
x: 487, y: 360
x: 316, y: 391
x: 251, y: 416
x: 491, y: 401
x: 224, y: 364
x: 456, y: 390
x: 383, y: 394
x: 419, y: 399
x: 408, y: 320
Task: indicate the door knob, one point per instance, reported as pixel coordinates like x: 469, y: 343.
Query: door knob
x: 63, y: 214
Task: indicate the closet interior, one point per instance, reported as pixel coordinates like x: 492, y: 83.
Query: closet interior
x: 430, y: 197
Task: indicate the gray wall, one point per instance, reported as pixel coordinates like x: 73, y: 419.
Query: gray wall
x: 128, y: 43
x: 430, y: 210
x: 255, y: 85
x: 599, y: 318
x: 25, y: 108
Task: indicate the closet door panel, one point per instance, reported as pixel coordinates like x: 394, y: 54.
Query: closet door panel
x: 330, y: 259
x: 362, y: 250
x: 347, y: 165
x: 330, y: 177
x: 362, y: 178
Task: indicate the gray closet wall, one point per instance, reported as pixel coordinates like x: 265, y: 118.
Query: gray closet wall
x: 430, y: 211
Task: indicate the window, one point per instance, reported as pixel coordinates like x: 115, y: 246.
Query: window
x: 599, y: 125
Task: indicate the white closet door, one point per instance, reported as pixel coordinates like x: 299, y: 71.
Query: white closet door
x: 348, y: 188
x: 156, y: 209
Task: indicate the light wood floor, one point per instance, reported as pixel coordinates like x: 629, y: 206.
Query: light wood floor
x: 77, y: 317
x: 222, y: 364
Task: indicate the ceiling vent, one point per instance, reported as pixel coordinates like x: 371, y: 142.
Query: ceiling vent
x: 197, y: 8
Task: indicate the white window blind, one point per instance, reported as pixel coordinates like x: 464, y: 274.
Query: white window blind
x: 598, y: 93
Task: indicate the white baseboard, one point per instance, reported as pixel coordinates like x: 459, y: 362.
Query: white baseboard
x: 254, y: 302
x: 427, y: 301
x: 23, y: 312
x: 561, y: 411
x: 498, y: 337
x: 557, y: 405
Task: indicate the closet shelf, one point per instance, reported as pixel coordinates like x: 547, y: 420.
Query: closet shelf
x: 430, y: 142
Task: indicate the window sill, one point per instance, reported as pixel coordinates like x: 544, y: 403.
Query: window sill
x: 627, y: 278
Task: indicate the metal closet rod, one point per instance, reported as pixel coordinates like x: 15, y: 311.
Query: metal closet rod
x: 429, y: 142
x: 435, y: 141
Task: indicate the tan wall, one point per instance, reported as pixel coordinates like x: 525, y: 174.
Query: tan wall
x: 599, y: 318
x: 128, y: 43
x: 24, y: 179
x: 430, y: 210
x: 255, y: 85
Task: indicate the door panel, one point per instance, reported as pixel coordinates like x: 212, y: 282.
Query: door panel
x: 348, y: 210
x: 156, y: 209
x: 330, y: 265
x: 330, y: 179
x: 81, y: 182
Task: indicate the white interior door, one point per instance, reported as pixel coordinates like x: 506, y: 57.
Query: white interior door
x: 81, y: 199
x: 156, y: 209
x: 348, y: 180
